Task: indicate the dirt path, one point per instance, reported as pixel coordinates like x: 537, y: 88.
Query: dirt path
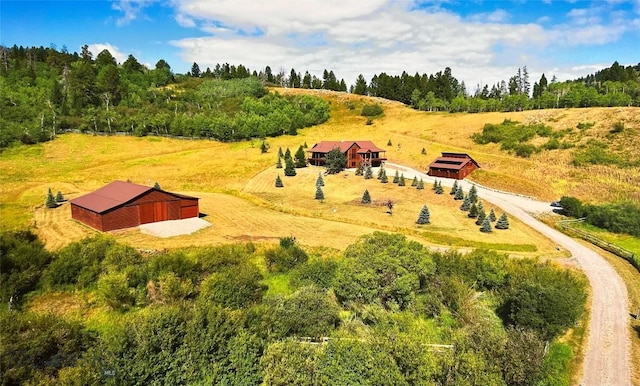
x: 607, y: 357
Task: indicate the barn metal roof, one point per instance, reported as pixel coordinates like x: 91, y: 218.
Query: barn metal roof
x: 451, y: 163
x: 114, y: 194
x: 327, y: 146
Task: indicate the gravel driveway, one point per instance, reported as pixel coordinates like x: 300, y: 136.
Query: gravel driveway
x: 607, y: 357
x: 172, y: 228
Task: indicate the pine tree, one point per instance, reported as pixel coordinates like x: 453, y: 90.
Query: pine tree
x: 368, y: 174
x: 435, y: 185
x: 287, y: 154
x: 381, y: 172
x: 503, y: 222
x: 384, y: 178
x: 366, y: 198
x: 359, y: 170
x: 280, y: 154
x: 415, y: 181
x: 60, y: 197
x: 389, y: 143
x: 300, y: 158
x: 454, y: 188
x: 396, y: 177
x: 157, y: 186
x: 459, y: 194
x: 279, y: 182
x: 51, y: 201
x: 289, y: 167
x: 319, y: 193
x: 473, y: 211
x: 424, y: 151
x: 473, y: 194
x: 481, y: 217
x: 439, y: 189
x: 420, y: 185
x: 279, y: 163
x: 264, y: 147
x: 480, y: 206
x: 492, y: 215
x: 466, y: 204
x: 486, y: 226
x: 423, y: 217
x: 319, y: 180
x: 401, y: 180
x: 305, y: 145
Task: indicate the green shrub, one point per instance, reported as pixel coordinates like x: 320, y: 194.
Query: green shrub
x: 285, y: 257
x: 371, y: 110
x: 585, y: 125
x: 617, y: 127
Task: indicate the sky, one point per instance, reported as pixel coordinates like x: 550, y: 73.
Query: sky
x: 482, y: 41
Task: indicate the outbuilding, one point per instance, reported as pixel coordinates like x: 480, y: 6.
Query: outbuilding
x: 122, y: 204
x: 453, y: 165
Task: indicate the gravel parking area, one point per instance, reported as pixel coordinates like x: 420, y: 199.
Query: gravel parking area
x: 172, y: 228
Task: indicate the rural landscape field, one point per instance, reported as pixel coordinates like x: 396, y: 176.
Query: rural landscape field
x: 312, y: 240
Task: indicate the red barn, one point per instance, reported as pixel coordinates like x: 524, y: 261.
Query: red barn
x: 124, y: 205
x: 355, y: 151
x: 453, y: 165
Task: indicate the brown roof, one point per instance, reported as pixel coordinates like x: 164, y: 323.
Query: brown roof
x: 327, y: 146
x: 452, y: 163
x: 114, y: 194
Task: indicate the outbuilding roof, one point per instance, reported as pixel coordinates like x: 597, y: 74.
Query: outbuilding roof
x: 327, y: 146
x: 452, y: 163
x: 114, y: 194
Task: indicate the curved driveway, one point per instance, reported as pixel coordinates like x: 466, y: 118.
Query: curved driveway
x: 607, y: 357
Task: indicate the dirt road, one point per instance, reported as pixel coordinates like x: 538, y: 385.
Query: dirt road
x: 607, y: 357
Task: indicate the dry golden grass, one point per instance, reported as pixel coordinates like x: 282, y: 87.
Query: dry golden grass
x: 235, y: 181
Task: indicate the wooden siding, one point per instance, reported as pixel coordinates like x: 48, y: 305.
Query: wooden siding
x: 92, y: 219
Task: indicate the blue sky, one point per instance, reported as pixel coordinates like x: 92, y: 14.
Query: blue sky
x: 481, y: 41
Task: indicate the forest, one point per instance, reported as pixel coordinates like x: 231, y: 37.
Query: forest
x: 46, y: 91
x: 386, y: 311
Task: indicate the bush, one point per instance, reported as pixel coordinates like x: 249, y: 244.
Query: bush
x: 309, y: 312
x: 318, y: 272
x: 286, y: 256
x: 617, y: 127
x: 237, y: 286
x: 371, y: 110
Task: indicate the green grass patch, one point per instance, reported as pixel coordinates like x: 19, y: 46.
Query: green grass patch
x: 439, y: 238
x: 628, y: 242
x: 278, y: 284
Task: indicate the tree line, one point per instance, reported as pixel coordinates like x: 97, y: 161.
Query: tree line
x: 386, y: 311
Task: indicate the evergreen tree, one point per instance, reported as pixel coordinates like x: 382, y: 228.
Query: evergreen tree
x: 473, y: 194
x: 486, y: 226
x: 60, y: 197
x: 381, y: 172
x: 454, y: 188
x: 503, y: 222
x: 439, y: 189
x: 279, y: 163
x: 368, y: 174
x: 319, y: 193
x: 466, y: 204
x: 305, y: 145
x: 435, y: 185
x: 289, y: 167
x: 389, y: 143
x: 264, y: 147
x: 480, y: 206
x: 384, y: 178
x: 279, y: 183
x: 396, y: 177
x: 280, y: 154
x: 459, y: 194
x: 319, y: 180
x: 473, y: 211
x: 424, y: 151
x: 301, y: 158
x: 51, y: 201
x: 423, y: 217
x: 401, y: 180
x: 492, y: 215
x: 415, y: 181
x: 481, y: 217
x: 420, y: 185
x: 157, y: 186
x: 287, y: 154
x: 366, y: 198
x: 359, y: 170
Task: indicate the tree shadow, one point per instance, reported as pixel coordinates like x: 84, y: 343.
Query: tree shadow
x: 637, y: 330
x: 202, y: 215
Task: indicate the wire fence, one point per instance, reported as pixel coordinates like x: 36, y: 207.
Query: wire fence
x: 631, y: 257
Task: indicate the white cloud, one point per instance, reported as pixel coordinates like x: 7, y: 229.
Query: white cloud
x: 369, y: 37
x: 96, y: 48
x: 130, y: 9
x: 185, y: 21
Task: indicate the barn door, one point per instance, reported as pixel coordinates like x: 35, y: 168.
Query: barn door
x: 161, y: 211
